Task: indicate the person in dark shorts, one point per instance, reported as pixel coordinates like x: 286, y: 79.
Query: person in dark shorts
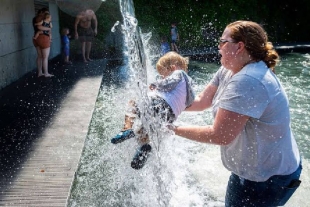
x: 84, y: 31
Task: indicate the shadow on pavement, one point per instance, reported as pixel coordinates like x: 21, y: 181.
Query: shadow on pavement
x: 29, y: 104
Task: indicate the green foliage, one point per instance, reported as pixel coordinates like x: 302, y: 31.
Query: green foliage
x: 201, y: 22
x: 107, y: 15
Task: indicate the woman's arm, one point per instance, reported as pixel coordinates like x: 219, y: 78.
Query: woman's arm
x: 38, y: 24
x: 42, y: 28
x: 227, y: 125
x: 204, y: 99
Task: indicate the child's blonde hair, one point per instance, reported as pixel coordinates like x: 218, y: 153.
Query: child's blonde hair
x: 172, y: 58
x: 46, y: 15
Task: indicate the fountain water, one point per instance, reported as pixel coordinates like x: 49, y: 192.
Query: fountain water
x: 179, y: 172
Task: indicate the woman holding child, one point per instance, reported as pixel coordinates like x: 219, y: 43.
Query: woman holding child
x: 42, y: 42
x: 251, y: 120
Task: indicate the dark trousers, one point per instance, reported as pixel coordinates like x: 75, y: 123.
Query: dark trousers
x: 276, y: 191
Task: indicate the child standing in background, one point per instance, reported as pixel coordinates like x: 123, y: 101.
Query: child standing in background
x: 65, y: 44
x: 174, y: 37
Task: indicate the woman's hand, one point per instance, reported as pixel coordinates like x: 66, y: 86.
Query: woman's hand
x: 171, y: 127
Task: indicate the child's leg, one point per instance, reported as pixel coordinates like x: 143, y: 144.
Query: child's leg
x: 129, y: 121
x: 130, y: 116
x: 142, y: 136
x: 127, y: 131
x: 176, y: 48
x: 144, y: 150
x: 66, y: 51
x: 36, y: 35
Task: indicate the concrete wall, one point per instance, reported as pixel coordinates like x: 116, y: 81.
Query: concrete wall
x: 56, y: 42
x: 17, y: 53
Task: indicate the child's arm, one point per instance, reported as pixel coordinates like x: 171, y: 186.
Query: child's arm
x: 169, y: 83
x: 42, y: 28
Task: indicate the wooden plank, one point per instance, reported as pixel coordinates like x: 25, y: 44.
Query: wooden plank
x: 45, y: 176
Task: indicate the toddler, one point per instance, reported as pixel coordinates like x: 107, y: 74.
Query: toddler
x: 46, y: 22
x: 65, y: 44
x: 168, y: 97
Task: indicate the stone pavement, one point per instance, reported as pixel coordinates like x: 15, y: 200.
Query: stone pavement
x: 43, y: 126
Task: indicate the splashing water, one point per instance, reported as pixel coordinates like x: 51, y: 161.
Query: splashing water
x: 115, y: 24
x: 179, y: 172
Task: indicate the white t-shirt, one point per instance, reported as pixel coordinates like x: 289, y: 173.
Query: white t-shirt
x: 176, y: 90
x: 266, y: 146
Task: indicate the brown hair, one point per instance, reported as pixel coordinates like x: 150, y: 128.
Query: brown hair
x: 169, y: 59
x: 256, y: 41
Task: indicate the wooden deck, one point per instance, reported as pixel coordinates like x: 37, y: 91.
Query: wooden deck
x: 44, y: 174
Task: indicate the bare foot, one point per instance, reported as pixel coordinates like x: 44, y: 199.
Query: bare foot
x: 39, y: 75
x: 85, y: 61
x: 89, y: 59
x: 48, y: 75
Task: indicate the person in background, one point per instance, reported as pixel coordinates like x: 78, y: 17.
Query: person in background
x: 46, y: 22
x: 42, y: 43
x: 251, y: 120
x: 174, y: 37
x: 164, y: 47
x: 65, y: 45
x: 84, y: 32
x: 168, y: 97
